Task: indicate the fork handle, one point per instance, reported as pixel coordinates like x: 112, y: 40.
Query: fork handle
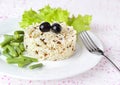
x: 112, y: 62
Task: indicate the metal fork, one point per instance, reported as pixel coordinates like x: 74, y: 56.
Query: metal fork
x: 92, y: 47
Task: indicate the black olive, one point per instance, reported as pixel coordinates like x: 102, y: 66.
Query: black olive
x: 45, y: 27
x: 56, y: 28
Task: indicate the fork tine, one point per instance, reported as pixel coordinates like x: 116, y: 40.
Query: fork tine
x: 91, y: 40
x: 85, y: 42
x: 91, y: 46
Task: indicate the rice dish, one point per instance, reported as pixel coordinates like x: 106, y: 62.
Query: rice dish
x: 49, y: 45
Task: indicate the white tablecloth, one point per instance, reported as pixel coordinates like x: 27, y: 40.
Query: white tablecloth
x: 105, y: 24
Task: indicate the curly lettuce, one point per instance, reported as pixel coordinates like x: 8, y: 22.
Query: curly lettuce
x: 79, y: 23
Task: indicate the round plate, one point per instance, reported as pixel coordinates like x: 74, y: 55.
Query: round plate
x: 80, y: 62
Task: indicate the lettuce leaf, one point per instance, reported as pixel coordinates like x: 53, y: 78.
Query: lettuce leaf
x: 45, y: 14
x: 28, y: 18
x: 80, y: 23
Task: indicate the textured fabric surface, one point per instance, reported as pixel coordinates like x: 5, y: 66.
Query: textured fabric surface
x: 105, y: 25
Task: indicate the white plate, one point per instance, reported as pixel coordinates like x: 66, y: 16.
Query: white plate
x: 80, y: 62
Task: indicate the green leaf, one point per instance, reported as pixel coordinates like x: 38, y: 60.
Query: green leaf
x: 80, y: 23
x: 28, y: 18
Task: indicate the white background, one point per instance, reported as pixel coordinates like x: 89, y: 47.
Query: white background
x: 105, y: 24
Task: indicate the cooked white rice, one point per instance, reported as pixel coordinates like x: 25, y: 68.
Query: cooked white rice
x: 49, y: 45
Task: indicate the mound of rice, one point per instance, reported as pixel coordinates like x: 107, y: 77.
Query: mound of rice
x: 49, y: 45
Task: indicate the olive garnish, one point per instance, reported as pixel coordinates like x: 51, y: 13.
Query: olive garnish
x: 45, y: 27
x: 56, y: 28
